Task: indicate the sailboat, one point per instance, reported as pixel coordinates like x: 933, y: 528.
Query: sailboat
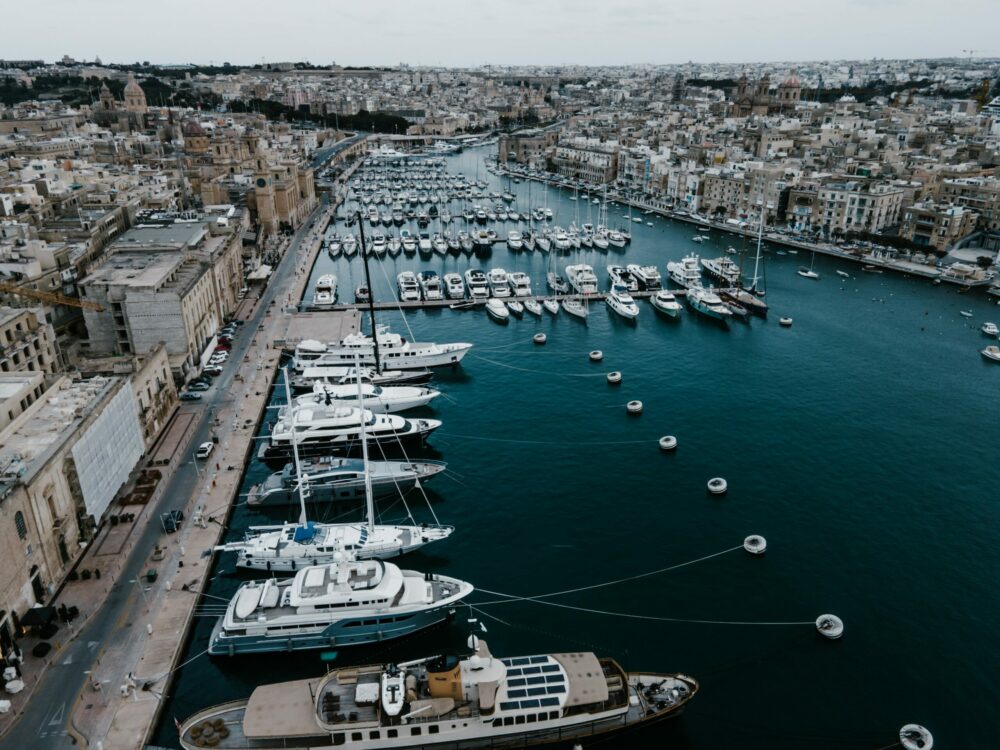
x: 750, y: 296
x: 809, y: 273
x: 288, y: 547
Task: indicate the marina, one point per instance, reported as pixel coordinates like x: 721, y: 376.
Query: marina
x: 596, y: 493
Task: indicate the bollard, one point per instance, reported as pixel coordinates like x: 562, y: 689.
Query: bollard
x: 149, y: 628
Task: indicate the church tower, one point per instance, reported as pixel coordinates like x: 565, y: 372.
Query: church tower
x: 107, y: 100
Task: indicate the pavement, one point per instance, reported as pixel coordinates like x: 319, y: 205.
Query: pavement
x: 101, y: 686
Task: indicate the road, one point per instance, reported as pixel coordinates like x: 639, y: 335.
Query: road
x: 45, y: 722
x: 324, y: 154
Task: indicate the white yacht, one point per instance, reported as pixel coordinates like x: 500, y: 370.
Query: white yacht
x: 409, y: 244
x: 388, y: 399
x: 343, y: 603
x: 394, y: 352
x: 349, y: 246
x: 623, y: 276
x: 318, y: 428
x: 666, y: 303
x: 326, y: 283
x: 514, y: 240
x: 478, y: 701
x: 454, y: 287
x: 616, y: 238
x: 576, y: 308
x: 498, y: 283
x: 621, y: 302
x: 440, y: 244
x: 327, y: 479
x: 479, y: 287
x: 581, y: 277
x: 543, y: 243
x: 647, y: 276
x: 322, y: 299
x: 685, y: 273
x: 424, y: 244
x: 520, y: 283
x: 534, y: 307
x: 708, y: 304
x: 341, y: 375
x: 551, y: 305
x: 379, y: 244
x: 722, y: 269
x: 600, y: 238
x: 497, y: 310
x: 409, y: 289
x: 560, y: 239
x: 557, y: 283
x: 430, y: 283
x: 990, y: 329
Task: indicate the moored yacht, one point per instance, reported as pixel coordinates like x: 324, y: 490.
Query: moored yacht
x: 723, y: 269
x: 685, y: 273
x: 479, y: 701
x: 479, y: 287
x: 388, y: 399
x: 409, y: 289
x: 341, y: 375
x: 581, y: 277
x: 708, y: 303
x: 430, y: 283
x: 647, y: 276
x: 621, y: 302
x: 620, y: 275
x: 520, y: 283
x: 514, y: 240
x: 498, y: 283
x: 394, y: 351
x: 454, y: 287
x: 343, y: 603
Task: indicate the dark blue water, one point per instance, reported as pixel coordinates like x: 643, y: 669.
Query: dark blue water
x: 861, y: 443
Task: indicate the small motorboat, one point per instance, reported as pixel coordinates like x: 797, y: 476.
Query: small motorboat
x: 991, y: 353
x: 807, y: 273
x: 361, y: 294
x: 990, y: 329
x: 844, y: 274
x: 497, y: 310
x: 515, y: 307
x: 965, y: 313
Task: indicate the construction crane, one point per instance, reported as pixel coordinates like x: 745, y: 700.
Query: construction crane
x: 970, y: 52
x: 53, y: 298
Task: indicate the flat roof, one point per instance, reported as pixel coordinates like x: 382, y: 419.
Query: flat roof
x: 175, y: 235
x: 13, y: 383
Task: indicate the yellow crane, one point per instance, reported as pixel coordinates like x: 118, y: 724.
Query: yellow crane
x: 53, y: 298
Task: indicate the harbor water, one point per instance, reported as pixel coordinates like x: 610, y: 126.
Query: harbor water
x: 860, y: 442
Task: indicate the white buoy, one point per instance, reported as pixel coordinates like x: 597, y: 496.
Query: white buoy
x: 755, y: 544
x: 830, y: 626
x: 614, y: 377
x: 539, y: 338
x: 634, y: 407
x: 668, y: 443
x: 786, y: 322
x: 596, y: 356
x: 718, y: 486
x: 916, y: 737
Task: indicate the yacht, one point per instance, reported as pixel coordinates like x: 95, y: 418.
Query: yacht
x: 322, y: 299
x: 343, y: 603
x: 333, y: 245
x: 616, y: 238
x: 991, y: 353
x: 708, y: 303
x: 560, y: 240
x: 497, y: 310
x: 479, y: 287
x: 454, y: 287
x: 752, y: 302
x: 394, y: 351
x: 465, y: 242
x: 339, y: 375
x: 698, y: 238
x: 476, y: 701
x: 990, y: 329
x: 621, y: 302
x: 581, y: 277
x: 685, y: 273
x: 409, y: 290
x: 666, y: 303
x: 534, y: 307
x: 373, y: 216
x: 515, y: 307
x: 327, y: 283
x: 424, y: 244
x: 349, y: 246
x: 362, y: 294
x: 543, y: 243
x: 498, y: 283
x: 430, y: 283
x: 647, y: 276
x: 551, y: 305
x: 329, y: 479
x: 395, y: 246
x: 409, y: 244
x: 520, y: 284
x: 389, y: 399
x: 807, y: 273
x: 440, y: 244
x: 575, y: 308
x: 514, y: 240
x: 320, y: 429
x: 557, y: 283
x: 620, y: 275
x: 600, y: 238
x: 723, y: 269
x: 379, y: 244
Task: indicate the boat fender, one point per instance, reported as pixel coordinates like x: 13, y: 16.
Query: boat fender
x: 916, y: 737
x: 718, y: 486
x: 596, y: 356
x: 614, y: 377
x: 668, y: 443
x: 755, y: 544
x: 634, y: 407
x: 830, y: 626
x: 539, y: 338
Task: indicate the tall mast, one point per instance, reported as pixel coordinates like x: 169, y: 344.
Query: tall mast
x: 369, y: 502
x: 371, y: 293
x: 756, y: 263
x: 303, y: 489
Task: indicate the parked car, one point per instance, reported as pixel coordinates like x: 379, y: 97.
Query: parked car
x: 171, y: 521
x: 199, y: 386
x: 218, y: 359
x: 213, y: 370
x: 190, y: 396
x: 205, y: 450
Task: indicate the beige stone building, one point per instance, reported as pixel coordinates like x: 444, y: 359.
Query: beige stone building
x: 980, y: 194
x: 27, y: 341
x: 937, y: 225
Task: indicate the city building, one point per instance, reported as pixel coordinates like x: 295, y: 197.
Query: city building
x: 937, y: 225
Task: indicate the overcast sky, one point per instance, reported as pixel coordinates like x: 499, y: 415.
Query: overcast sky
x: 475, y: 32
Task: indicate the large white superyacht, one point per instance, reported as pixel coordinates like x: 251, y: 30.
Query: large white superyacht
x: 393, y: 351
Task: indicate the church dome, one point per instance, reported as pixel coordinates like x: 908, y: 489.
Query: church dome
x: 792, y: 81
x: 192, y: 128
x: 132, y: 88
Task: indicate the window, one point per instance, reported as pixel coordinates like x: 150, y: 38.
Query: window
x: 414, y: 731
x: 373, y: 735
x: 519, y: 719
x: 20, y: 525
x: 392, y: 733
x: 508, y: 721
x: 433, y: 729
x: 356, y: 736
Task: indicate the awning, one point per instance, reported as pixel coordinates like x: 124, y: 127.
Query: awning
x: 38, y: 616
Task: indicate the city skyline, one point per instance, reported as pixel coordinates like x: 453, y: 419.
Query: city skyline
x: 446, y: 33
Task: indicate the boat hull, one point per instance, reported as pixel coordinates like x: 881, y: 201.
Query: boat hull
x: 345, y: 490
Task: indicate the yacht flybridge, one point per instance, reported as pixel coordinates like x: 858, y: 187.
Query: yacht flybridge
x: 393, y: 351
x: 478, y: 701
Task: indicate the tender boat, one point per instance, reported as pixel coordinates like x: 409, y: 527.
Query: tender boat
x: 965, y: 313
x: 666, y: 303
x: 343, y: 603
x: 409, y: 289
x: 708, y: 303
x: 621, y: 302
x: 454, y: 287
x: 342, y: 480
x: 497, y: 310
x: 991, y: 353
x: 498, y: 283
x: 479, y: 287
x: 476, y: 701
x: 647, y: 276
x: 990, y: 329
x: 581, y: 277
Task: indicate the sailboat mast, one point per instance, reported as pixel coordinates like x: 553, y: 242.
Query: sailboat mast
x: 371, y: 293
x: 295, y: 453
x: 369, y: 502
x: 760, y: 237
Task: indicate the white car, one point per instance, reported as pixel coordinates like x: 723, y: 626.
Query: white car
x: 204, y: 450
